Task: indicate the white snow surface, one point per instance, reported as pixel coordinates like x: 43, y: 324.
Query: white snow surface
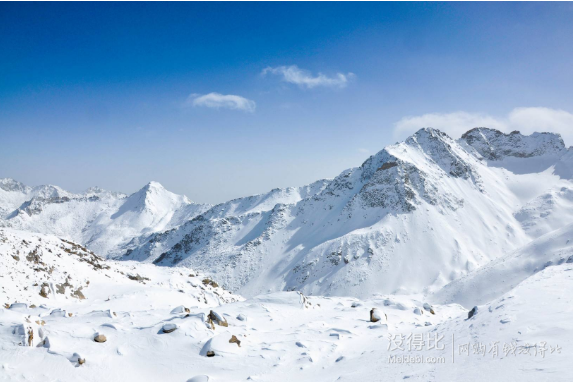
x: 288, y: 336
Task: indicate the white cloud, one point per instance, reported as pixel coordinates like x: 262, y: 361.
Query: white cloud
x: 303, y: 78
x: 217, y: 100
x: 526, y: 120
x: 363, y: 150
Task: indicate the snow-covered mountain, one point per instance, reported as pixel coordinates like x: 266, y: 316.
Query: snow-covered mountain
x: 106, y: 222
x: 412, y: 218
x: 101, y: 220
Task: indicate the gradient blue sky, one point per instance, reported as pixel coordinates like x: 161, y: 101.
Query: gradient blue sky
x: 99, y: 93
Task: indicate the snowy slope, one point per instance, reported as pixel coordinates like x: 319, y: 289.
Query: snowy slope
x: 414, y: 217
x: 283, y: 336
x: 44, y: 269
x: 506, y: 272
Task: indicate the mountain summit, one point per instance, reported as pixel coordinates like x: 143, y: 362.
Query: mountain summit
x: 412, y: 218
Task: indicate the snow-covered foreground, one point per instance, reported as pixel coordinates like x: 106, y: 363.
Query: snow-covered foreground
x: 283, y: 336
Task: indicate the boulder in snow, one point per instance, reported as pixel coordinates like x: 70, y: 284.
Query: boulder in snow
x: 429, y: 308
x: 217, y: 318
x: 59, y: 313
x: 77, y: 358
x: 180, y: 310
x: 472, y: 312
x: 100, y: 338
x: 169, y: 327
x: 376, y: 315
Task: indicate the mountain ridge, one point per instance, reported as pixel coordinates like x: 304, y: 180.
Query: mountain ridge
x: 428, y: 209
x: 429, y: 168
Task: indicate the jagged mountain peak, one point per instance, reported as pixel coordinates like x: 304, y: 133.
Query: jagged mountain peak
x: 10, y: 184
x: 429, y: 133
x: 429, y: 151
x: 494, y: 145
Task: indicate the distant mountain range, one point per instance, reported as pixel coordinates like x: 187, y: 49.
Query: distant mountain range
x: 412, y: 218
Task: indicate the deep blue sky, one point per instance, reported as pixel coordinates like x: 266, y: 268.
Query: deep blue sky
x: 98, y: 93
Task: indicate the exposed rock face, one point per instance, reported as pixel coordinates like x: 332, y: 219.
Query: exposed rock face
x: 443, y: 150
x: 472, y: 312
x: 495, y: 145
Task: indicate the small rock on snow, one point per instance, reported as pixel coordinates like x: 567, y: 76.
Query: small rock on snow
x: 169, y: 327
x: 100, y: 338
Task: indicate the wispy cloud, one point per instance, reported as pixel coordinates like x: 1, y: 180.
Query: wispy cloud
x: 526, y: 120
x: 303, y: 78
x: 217, y: 101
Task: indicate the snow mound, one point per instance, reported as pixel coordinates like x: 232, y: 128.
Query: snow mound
x: 503, y: 274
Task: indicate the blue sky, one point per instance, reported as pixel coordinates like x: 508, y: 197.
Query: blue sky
x: 222, y: 100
